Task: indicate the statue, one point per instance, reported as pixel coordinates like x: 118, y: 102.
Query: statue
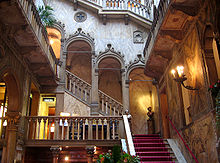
x: 150, y: 121
x: 150, y: 114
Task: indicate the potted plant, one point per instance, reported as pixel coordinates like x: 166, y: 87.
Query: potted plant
x: 46, y: 15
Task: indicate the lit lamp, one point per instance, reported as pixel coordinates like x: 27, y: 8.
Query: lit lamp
x: 179, y: 76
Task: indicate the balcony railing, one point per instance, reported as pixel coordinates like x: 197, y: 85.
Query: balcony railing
x: 82, y: 90
x: 72, y: 128
x: 143, y: 10
x: 33, y: 18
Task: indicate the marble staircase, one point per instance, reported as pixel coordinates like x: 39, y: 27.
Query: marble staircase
x: 152, y: 148
x: 81, y: 90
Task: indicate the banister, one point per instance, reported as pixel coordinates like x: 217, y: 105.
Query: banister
x: 129, y: 140
x: 183, y: 140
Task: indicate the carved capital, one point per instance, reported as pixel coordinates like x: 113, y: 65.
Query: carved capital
x: 13, y: 119
x: 55, y: 150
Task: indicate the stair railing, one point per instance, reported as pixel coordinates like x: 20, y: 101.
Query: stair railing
x: 128, y: 136
x: 78, y: 87
x: 183, y: 140
x: 82, y: 90
x: 109, y: 106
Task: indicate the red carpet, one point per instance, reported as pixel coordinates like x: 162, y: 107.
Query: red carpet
x: 151, y: 148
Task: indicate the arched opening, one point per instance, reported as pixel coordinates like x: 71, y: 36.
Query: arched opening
x: 209, y: 57
x: 78, y: 60
x: 54, y: 37
x: 3, y: 107
x: 110, y: 78
x: 142, y: 95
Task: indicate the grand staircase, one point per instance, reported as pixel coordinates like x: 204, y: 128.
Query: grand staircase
x: 152, y: 148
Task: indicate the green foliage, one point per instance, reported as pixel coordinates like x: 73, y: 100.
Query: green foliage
x: 116, y: 153
x: 116, y: 156
x: 46, y: 15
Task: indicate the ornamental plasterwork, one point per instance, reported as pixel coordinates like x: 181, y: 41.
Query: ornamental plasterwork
x: 80, y: 16
x: 110, y: 52
x: 138, y: 37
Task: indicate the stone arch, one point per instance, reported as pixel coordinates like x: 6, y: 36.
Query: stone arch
x: 139, y: 62
x: 110, y: 52
x: 80, y: 35
x: 13, y: 89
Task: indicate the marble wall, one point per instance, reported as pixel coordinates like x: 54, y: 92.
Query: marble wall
x: 114, y: 32
x: 200, y: 131
x: 142, y: 96
x: 74, y: 106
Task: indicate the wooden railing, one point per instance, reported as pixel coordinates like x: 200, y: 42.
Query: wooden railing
x: 130, y: 5
x: 82, y: 90
x: 29, y: 9
x: 72, y: 128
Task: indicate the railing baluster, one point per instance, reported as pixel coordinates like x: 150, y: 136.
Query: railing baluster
x: 113, y: 129
x: 56, y: 131
x: 78, y: 128
x: 102, y: 121
x: 62, y: 132
x: 34, y: 128
x: 68, y: 129
x: 97, y: 129
x: 73, y: 125
x: 84, y: 126
x: 50, y: 122
x: 108, y: 128
x: 44, y: 132
x: 38, y: 133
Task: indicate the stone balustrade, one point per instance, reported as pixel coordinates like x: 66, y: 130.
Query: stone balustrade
x: 126, y: 5
x: 73, y: 128
x: 29, y: 9
x: 78, y: 87
x: 109, y: 106
x: 82, y: 90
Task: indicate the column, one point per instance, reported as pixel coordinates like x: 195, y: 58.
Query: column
x: 90, y: 153
x: 94, y: 92
x: 125, y: 93
x: 55, y: 152
x: 12, y: 128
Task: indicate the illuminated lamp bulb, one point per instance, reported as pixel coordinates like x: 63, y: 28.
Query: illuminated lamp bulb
x: 173, y: 72
x: 180, y: 70
x: 51, y: 42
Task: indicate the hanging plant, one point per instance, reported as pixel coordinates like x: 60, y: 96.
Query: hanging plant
x: 46, y: 15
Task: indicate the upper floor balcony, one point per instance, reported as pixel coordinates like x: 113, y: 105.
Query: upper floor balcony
x: 138, y: 11
x: 26, y: 33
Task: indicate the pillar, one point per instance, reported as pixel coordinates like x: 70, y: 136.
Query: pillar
x: 90, y: 153
x: 125, y: 92
x: 12, y: 128
x: 94, y: 89
x: 55, y: 152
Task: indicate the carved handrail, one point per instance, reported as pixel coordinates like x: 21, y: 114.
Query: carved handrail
x: 73, y: 127
x: 29, y: 9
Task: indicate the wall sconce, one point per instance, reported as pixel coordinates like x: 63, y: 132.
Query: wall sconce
x: 179, y: 76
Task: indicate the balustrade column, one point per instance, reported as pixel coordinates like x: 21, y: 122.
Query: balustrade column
x: 108, y: 129
x: 12, y: 128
